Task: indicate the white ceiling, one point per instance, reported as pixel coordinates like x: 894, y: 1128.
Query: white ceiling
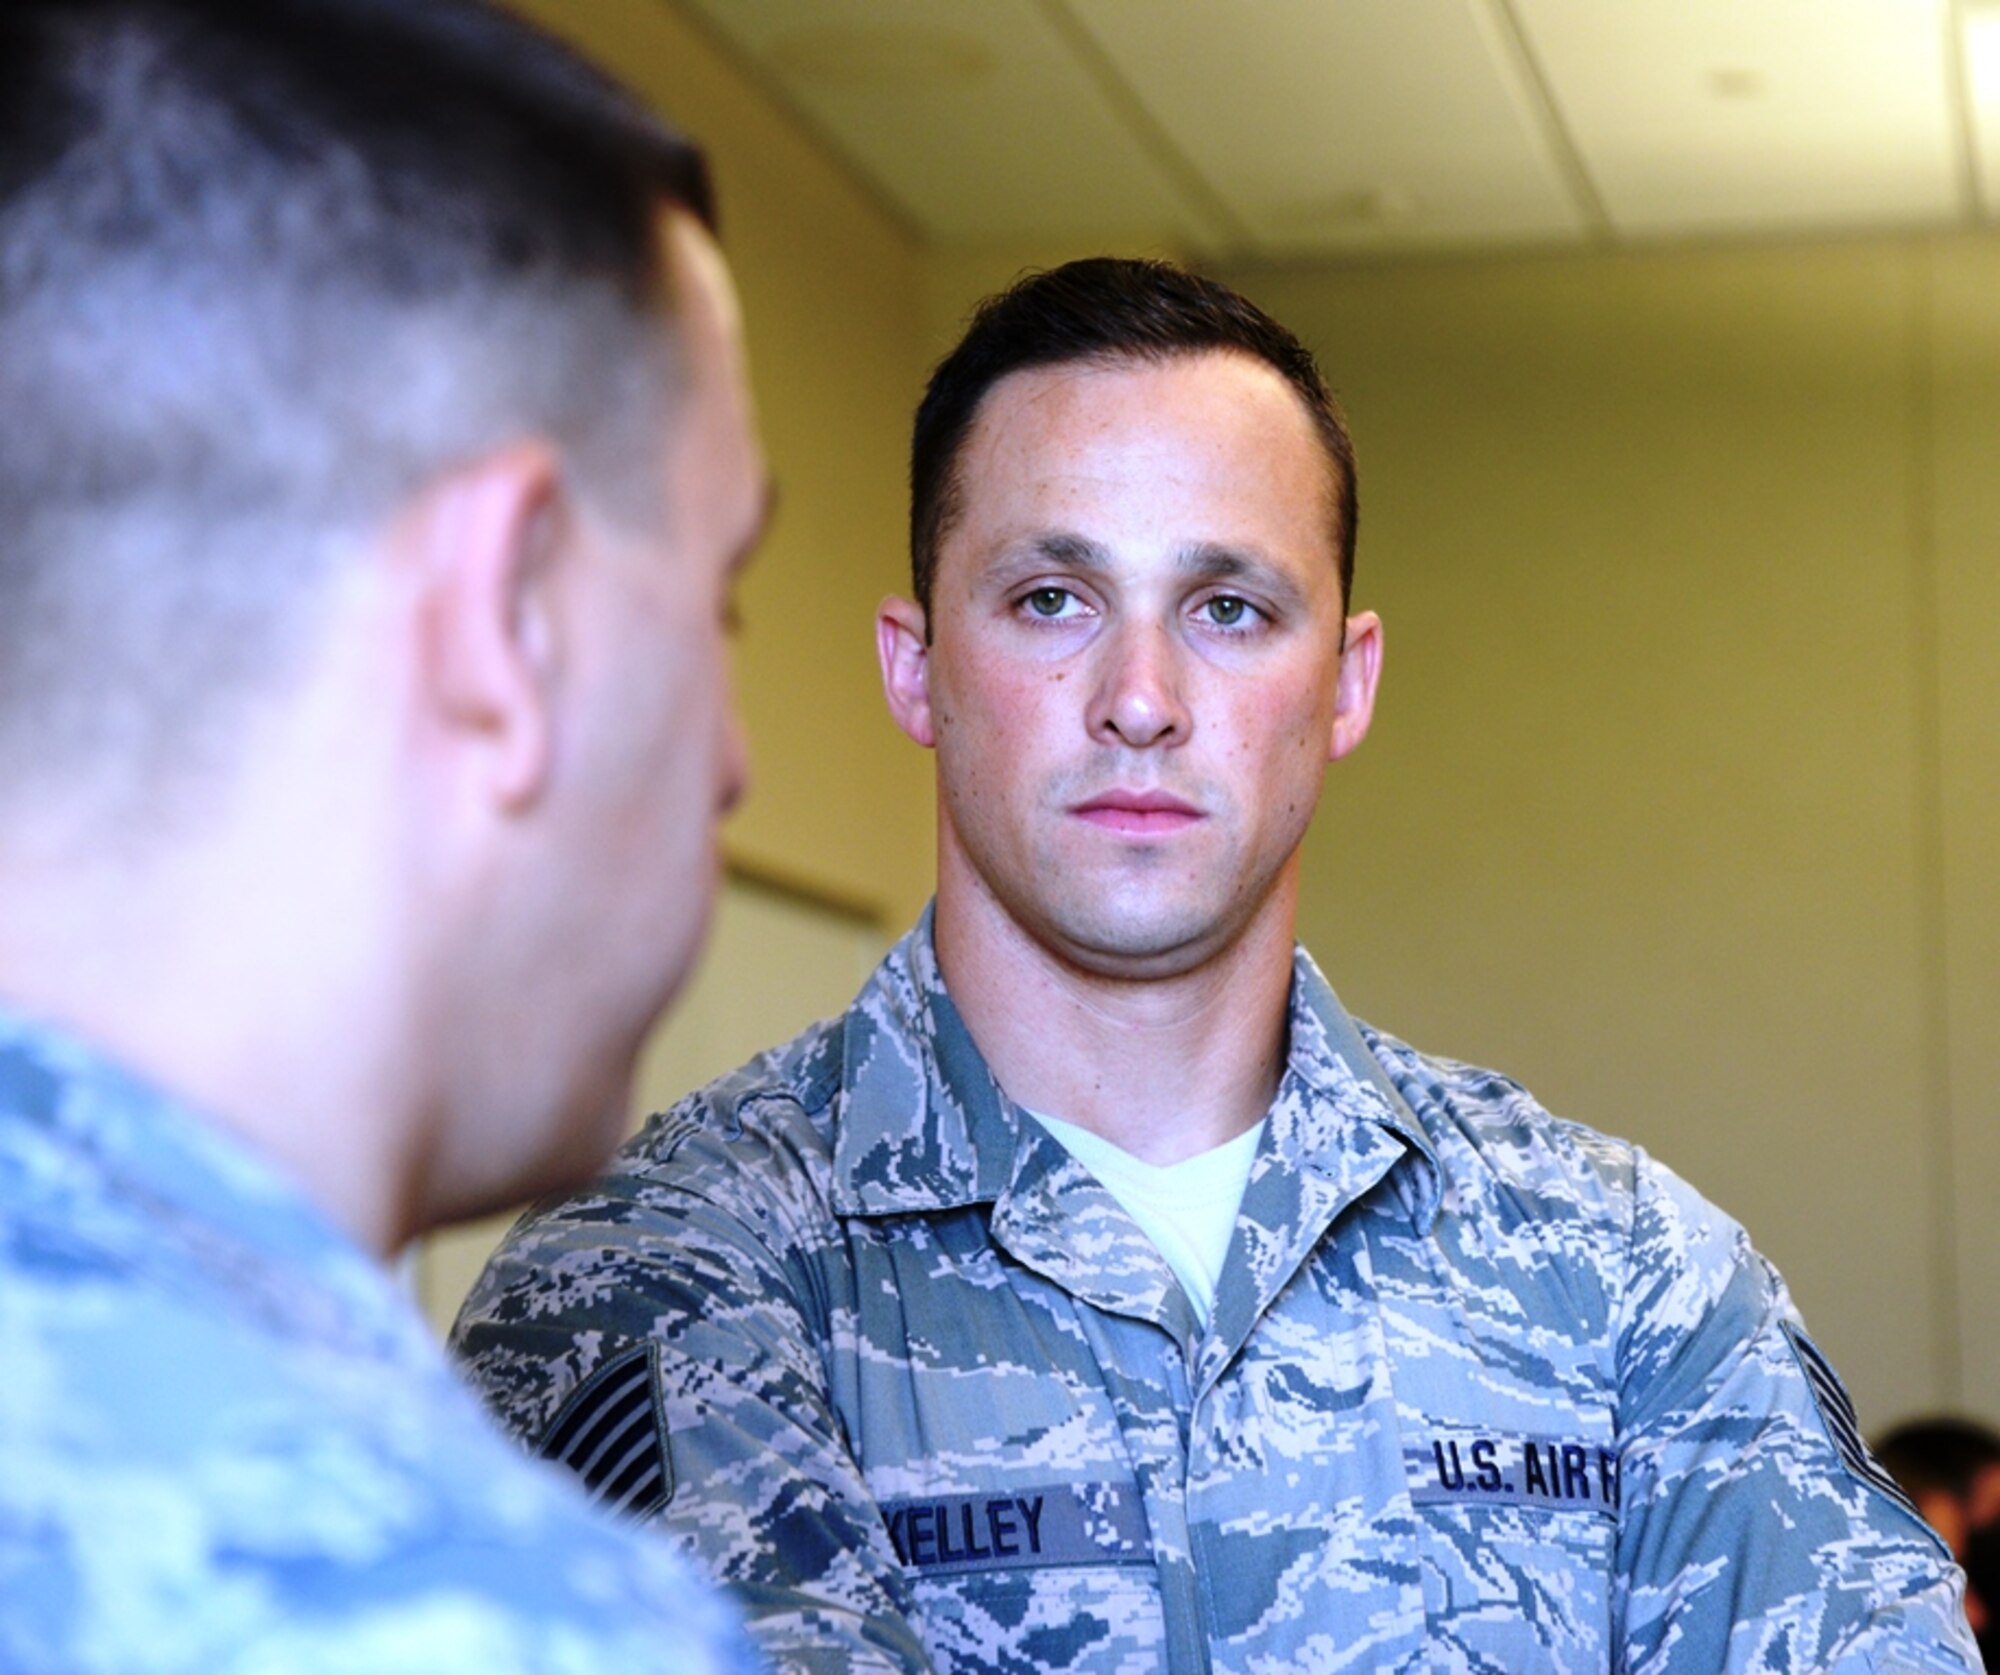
x: 1246, y: 128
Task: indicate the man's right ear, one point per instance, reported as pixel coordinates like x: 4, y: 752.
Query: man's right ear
x: 903, y: 648
x: 484, y: 541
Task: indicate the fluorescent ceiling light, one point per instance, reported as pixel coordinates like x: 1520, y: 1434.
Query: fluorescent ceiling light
x: 1979, y: 39
x: 1981, y: 20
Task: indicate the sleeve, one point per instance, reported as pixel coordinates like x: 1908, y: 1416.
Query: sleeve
x: 667, y: 1347
x: 1755, y: 1532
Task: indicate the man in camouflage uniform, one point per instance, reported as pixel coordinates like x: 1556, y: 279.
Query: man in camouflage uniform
x: 375, y: 452
x: 1096, y: 1294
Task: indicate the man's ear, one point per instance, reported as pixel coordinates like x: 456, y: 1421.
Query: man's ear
x: 905, y: 655
x: 484, y: 541
x: 1354, y: 691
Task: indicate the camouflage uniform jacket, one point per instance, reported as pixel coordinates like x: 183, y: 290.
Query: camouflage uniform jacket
x: 1482, y: 1390
x: 228, y: 1446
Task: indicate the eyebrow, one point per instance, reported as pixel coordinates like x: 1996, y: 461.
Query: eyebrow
x: 1059, y: 548
x: 1219, y: 562
x: 1075, y: 552
x: 1214, y: 561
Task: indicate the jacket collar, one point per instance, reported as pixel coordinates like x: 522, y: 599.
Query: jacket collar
x: 921, y: 1124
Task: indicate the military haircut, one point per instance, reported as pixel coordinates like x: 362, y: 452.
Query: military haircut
x: 1101, y: 311
x: 266, y: 266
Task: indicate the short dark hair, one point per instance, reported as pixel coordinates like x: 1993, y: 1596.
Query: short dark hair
x: 1104, y: 309
x: 1938, y: 1456
x: 265, y: 266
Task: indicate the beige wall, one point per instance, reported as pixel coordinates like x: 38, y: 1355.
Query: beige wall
x: 1681, y: 802
x: 1964, y: 380
x: 1679, y: 806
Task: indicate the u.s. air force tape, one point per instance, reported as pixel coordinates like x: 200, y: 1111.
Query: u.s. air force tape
x: 1464, y: 1467
x: 1020, y: 1529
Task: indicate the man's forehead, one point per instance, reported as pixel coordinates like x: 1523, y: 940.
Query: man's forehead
x: 1107, y: 398
x: 1087, y: 414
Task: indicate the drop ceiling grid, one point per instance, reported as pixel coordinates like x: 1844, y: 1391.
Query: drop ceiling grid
x: 1286, y: 128
x: 1841, y: 118
x: 1337, y: 125
x: 1029, y: 148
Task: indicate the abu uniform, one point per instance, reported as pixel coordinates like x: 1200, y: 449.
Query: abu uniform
x: 228, y: 1445
x: 1481, y: 1389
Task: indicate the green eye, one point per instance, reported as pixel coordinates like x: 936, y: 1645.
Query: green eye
x: 1048, y: 601
x: 1226, y: 612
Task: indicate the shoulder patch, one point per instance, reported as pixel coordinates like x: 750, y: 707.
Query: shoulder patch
x: 1837, y: 1414
x: 612, y: 1435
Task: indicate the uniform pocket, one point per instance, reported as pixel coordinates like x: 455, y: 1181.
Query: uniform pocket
x: 1075, y: 1620
x: 1518, y: 1587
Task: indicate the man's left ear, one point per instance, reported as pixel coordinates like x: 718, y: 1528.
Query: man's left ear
x: 1354, y: 691
x: 485, y: 539
x: 902, y: 647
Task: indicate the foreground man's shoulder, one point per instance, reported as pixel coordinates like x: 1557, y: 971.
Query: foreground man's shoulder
x: 190, y: 1484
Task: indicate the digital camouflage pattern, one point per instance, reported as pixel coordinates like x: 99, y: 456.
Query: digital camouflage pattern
x: 1482, y: 1390
x: 228, y: 1446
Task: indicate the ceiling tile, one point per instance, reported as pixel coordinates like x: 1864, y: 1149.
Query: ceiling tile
x: 975, y: 116
x: 1755, y: 115
x: 1331, y: 126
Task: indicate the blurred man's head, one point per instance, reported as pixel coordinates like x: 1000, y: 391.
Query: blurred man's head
x: 378, y: 451
x: 1951, y: 1469
x: 265, y: 268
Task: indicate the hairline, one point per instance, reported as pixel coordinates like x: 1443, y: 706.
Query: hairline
x: 947, y: 504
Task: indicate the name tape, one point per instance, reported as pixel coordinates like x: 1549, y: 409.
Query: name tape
x: 1065, y: 1524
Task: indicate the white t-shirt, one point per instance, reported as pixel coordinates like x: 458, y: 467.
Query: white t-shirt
x: 1188, y: 1209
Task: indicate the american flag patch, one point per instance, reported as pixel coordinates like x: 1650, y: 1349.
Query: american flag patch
x: 1837, y: 1414
x: 611, y: 1435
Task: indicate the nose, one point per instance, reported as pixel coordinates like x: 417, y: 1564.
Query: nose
x: 1138, y: 701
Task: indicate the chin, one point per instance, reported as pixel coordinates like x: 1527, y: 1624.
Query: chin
x: 575, y: 1158
x: 592, y: 1127
x: 598, y: 1127
x: 1136, y: 944
x: 1137, y: 929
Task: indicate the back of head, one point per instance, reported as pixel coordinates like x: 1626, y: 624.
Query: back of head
x: 1105, y: 309
x: 265, y: 266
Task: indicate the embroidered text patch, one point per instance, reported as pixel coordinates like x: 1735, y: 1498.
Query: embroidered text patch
x: 1498, y: 1468
x: 1064, y: 1524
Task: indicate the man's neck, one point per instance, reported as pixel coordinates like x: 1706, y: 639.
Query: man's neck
x: 233, y: 987
x: 1164, y: 1067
